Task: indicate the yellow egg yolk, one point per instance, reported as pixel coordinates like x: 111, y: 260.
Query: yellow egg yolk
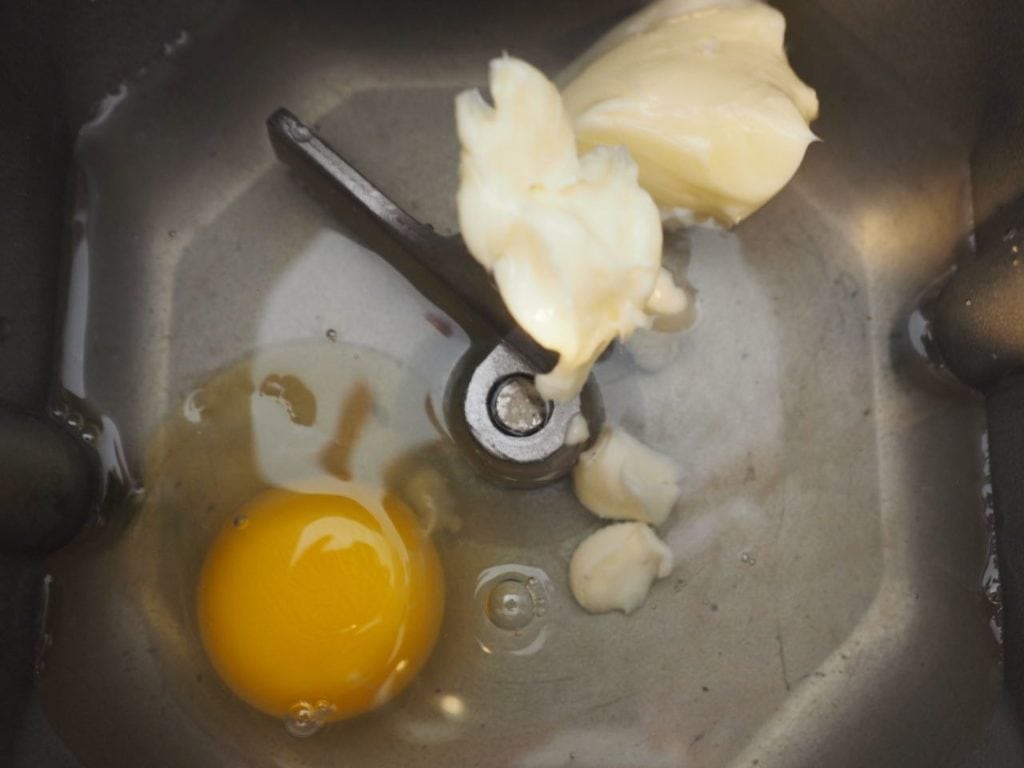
x: 320, y: 601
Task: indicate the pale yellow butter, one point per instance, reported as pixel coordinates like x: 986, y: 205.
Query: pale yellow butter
x: 702, y: 95
x: 614, y: 567
x: 620, y: 478
x: 574, y: 243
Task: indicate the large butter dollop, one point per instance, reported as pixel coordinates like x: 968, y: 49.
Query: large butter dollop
x: 702, y: 95
x: 574, y: 243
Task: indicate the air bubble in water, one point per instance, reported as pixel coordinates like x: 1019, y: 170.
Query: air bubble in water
x: 304, y: 719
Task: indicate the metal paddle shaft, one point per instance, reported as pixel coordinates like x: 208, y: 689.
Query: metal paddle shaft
x: 439, y: 267
x: 494, y: 412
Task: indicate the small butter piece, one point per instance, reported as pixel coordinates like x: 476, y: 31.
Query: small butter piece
x: 613, y: 568
x: 620, y: 478
x: 578, y: 430
x: 667, y: 299
x: 702, y: 95
x: 574, y: 243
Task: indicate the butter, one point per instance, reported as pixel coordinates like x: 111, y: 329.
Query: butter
x: 578, y: 430
x: 574, y: 243
x: 620, y: 478
x: 701, y: 94
x: 614, y: 567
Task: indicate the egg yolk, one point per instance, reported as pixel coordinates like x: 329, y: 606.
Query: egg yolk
x: 317, y: 602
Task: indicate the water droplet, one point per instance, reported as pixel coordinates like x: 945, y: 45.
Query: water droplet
x: 968, y: 303
x: 748, y: 559
x: 45, y: 638
x: 332, y: 335
x: 240, y: 521
x: 1015, y: 263
x: 173, y: 47
x: 193, y: 407
x: 919, y: 332
x: 172, y: 234
x: 1015, y: 249
x: 510, y: 605
x: 303, y: 720
x: 1010, y: 234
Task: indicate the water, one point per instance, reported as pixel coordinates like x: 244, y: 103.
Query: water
x: 991, y: 584
x: 193, y: 407
x: 516, y: 603
x: 510, y: 605
x: 915, y: 351
x: 200, y: 270
x: 47, y: 615
x: 929, y: 369
x: 305, y: 719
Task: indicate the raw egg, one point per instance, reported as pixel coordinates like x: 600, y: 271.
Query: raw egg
x: 320, y: 604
